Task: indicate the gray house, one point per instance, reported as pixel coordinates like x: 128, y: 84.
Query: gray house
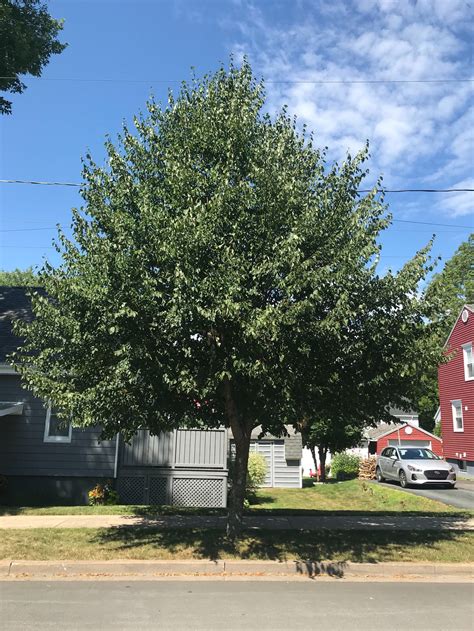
x: 42, y: 462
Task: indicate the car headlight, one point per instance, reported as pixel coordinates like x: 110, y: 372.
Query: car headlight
x: 451, y: 469
x: 416, y: 469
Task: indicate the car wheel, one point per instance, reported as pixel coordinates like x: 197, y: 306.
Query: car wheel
x: 403, y: 479
x: 379, y: 476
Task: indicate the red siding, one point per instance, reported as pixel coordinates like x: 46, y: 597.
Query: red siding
x: 453, y: 386
x: 417, y: 434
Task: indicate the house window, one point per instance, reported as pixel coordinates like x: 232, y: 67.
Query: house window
x: 55, y: 429
x: 458, y: 424
x: 468, y: 361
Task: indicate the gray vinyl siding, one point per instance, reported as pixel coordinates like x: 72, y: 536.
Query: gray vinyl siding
x: 148, y: 451
x: 24, y: 452
x: 186, y: 448
x: 201, y: 448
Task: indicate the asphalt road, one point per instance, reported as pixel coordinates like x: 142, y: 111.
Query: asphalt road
x: 461, y: 497
x: 248, y: 605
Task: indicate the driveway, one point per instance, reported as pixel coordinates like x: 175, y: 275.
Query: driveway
x: 461, y: 497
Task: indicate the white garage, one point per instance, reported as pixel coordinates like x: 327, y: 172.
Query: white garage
x: 410, y: 443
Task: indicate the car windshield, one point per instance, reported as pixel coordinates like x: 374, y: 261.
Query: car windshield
x: 417, y: 453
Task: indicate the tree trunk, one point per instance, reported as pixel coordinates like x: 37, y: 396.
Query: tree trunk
x: 239, y: 484
x: 242, y: 432
x: 322, y: 463
x: 315, y: 460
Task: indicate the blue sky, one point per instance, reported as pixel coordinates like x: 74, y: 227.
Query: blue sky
x: 120, y: 52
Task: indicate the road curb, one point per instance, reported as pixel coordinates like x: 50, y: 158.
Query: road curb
x: 227, y: 568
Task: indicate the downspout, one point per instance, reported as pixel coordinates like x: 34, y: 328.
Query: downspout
x: 117, y: 440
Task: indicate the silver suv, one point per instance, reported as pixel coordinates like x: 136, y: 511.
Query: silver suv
x: 414, y: 466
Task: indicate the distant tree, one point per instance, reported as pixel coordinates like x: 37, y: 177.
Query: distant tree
x: 334, y: 435
x: 220, y: 272
x: 448, y: 290
x: 28, y: 38
x: 19, y: 278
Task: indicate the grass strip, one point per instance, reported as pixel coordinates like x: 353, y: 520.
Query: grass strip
x: 151, y: 544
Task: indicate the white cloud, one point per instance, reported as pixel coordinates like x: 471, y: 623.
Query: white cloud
x: 460, y: 204
x: 419, y: 132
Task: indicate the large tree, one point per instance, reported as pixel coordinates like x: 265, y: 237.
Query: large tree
x: 448, y: 290
x: 28, y: 38
x: 215, y: 264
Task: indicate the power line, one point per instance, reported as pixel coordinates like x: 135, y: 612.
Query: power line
x: 368, y: 190
x: 419, y: 190
x: 30, y: 229
x: 430, y: 223
x: 424, y: 223
x: 29, y: 247
x: 269, y: 81
x: 40, y: 183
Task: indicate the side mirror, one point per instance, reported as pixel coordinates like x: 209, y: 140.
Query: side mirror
x: 393, y: 457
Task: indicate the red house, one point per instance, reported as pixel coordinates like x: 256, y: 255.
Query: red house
x: 408, y: 435
x: 456, y: 393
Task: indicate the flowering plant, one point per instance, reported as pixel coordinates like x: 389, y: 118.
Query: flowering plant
x: 103, y: 494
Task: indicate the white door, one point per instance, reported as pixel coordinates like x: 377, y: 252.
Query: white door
x: 410, y: 443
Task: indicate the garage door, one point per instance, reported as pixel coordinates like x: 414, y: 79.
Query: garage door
x: 410, y: 443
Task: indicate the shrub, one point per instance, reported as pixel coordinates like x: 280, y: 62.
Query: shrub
x: 345, y: 466
x: 256, y: 472
x: 103, y: 494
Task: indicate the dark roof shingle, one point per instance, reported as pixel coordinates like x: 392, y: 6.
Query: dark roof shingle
x: 14, y: 304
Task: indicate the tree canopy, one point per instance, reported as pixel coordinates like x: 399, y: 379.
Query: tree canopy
x: 28, y: 38
x: 448, y: 291
x: 19, y: 278
x: 220, y: 273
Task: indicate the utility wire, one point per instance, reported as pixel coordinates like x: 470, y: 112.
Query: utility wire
x: 368, y: 190
x: 40, y: 183
x: 269, y: 81
x: 430, y: 223
x: 424, y: 223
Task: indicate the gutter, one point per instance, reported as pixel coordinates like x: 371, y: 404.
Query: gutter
x: 117, y: 441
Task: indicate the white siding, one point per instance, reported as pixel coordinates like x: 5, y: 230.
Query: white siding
x: 281, y: 473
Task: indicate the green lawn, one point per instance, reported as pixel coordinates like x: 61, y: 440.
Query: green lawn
x: 151, y: 544
x: 351, y: 495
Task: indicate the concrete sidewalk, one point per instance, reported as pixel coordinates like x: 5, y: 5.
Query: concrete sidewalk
x: 267, y: 522
x: 223, y: 568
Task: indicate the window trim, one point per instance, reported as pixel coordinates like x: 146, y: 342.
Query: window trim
x: 453, y: 410
x: 55, y: 439
x: 465, y: 348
